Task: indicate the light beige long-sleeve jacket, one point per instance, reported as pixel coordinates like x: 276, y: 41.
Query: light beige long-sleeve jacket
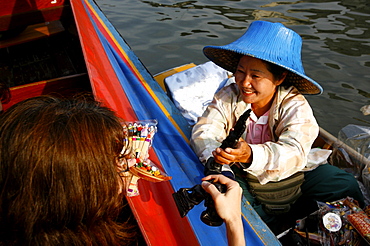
x: 292, y: 124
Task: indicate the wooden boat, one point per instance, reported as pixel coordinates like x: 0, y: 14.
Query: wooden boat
x: 16, y: 15
x: 96, y: 59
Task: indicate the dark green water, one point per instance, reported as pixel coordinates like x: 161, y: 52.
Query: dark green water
x: 336, y: 42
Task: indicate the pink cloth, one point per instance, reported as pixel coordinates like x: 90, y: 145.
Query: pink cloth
x: 258, y: 130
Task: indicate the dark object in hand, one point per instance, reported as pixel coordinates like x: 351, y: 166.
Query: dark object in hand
x: 212, y: 167
x: 187, y: 198
x: 232, y: 139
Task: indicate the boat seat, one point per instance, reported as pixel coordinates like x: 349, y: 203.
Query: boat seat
x: 34, y: 32
x: 63, y: 86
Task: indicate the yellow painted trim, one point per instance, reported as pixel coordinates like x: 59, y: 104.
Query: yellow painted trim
x: 161, y: 76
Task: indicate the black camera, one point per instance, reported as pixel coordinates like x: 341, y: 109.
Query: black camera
x: 187, y: 198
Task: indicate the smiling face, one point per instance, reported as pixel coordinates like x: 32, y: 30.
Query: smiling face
x: 256, y: 83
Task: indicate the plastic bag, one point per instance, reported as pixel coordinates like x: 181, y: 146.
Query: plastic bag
x: 353, y: 155
x: 333, y: 227
x: 333, y: 224
x: 358, y: 138
x: 140, y: 135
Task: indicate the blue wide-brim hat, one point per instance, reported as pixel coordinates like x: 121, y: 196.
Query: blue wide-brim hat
x: 271, y: 42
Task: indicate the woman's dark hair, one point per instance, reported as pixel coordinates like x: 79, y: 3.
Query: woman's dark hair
x: 58, y: 176
x: 276, y: 70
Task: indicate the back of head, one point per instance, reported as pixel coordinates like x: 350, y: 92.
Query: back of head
x: 58, y: 177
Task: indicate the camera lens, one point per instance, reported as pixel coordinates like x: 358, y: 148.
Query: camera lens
x: 211, y: 218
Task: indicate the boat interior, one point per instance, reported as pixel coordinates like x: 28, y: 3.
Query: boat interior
x: 47, y: 58
x: 44, y: 58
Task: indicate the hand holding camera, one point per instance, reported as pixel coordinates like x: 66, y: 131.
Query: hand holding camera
x: 187, y: 198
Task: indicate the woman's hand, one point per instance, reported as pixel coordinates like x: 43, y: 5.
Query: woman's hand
x: 228, y: 206
x: 242, y: 153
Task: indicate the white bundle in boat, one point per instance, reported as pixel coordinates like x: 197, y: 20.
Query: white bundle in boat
x: 193, y: 89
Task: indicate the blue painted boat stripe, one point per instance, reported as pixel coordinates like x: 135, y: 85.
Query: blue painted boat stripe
x: 174, y: 153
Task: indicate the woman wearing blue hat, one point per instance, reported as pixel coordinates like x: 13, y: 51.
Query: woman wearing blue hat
x: 274, y: 162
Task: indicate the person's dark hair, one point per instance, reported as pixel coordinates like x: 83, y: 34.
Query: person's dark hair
x: 276, y: 70
x: 59, y: 182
